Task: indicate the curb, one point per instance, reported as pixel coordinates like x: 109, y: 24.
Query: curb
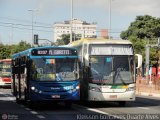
x: 148, y: 94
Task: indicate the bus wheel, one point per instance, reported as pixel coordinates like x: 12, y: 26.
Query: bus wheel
x: 25, y: 96
x: 122, y: 103
x: 18, y: 100
x: 68, y: 104
x: 30, y: 104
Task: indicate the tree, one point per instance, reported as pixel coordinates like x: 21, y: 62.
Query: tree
x: 143, y: 29
x: 6, y: 51
x: 65, y: 38
x: 21, y: 46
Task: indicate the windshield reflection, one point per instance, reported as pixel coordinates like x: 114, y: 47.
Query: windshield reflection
x: 111, y: 70
x: 61, y: 69
x: 5, y: 70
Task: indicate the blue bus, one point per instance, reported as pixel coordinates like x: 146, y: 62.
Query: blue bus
x: 46, y: 74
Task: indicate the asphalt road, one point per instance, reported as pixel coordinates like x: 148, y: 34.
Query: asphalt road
x: 144, y: 108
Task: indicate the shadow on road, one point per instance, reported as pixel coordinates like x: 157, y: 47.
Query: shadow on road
x: 139, y: 102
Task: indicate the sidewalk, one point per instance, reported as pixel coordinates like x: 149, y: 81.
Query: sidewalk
x: 153, y: 89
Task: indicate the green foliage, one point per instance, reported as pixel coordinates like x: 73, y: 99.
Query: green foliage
x: 143, y: 29
x: 65, y: 39
x: 153, y: 56
x: 6, y: 51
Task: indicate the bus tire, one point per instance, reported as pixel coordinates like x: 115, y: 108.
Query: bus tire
x: 122, y: 103
x: 68, y: 104
x: 18, y: 100
x: 30, y: 104
x: 25, y: 96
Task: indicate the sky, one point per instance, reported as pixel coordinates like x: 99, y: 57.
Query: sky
x: 16, y: 16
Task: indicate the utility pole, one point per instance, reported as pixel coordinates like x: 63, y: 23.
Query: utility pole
x: 71, y: 20
x: 148, y: 46
x: 32, y: 38
x: 147, y: 62
x: 109, y: 19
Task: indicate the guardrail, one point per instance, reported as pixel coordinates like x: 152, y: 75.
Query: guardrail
x: 151, y: 89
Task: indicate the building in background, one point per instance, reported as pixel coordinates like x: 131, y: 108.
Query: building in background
x: 104, y: 33
x: 80, y: 29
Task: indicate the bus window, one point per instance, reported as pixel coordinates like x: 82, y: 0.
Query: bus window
x: 43, y: 70
x: 123, y: 74
x: 66, y: 69
x: 101, y: 67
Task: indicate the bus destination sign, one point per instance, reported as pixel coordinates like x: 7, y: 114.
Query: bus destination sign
x: 49, y: 52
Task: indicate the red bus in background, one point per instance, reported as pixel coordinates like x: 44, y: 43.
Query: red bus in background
x: 5, y: 72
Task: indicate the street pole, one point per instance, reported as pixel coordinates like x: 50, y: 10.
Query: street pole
x: 32, y: 28
x: 71, y: 20
x: 147, y: 62
x: 12, y: 32
x: 109, y: 19
x: 32, y: 38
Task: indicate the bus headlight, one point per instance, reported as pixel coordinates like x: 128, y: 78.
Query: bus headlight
x: 33, y: 88
x: 40, y: 91
x: 95, y: 89
x: 77, y: 87
x: 130, y: 89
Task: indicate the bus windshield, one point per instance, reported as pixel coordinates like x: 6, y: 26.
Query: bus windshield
x: 5, y: 69
x: 59, y: 69
x: 112, y: 69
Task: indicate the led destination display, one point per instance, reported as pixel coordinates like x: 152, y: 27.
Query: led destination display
x: 49, y: 52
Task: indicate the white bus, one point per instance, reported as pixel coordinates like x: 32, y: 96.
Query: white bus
x: 108, y: 70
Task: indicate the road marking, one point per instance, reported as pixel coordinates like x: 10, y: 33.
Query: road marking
x: 12, y: 99
x: 27, y: 108
x: 41, y: 116
x: 145, y: 108
x: 22, y: 106
x: 93, y: 110
x: 7, y: 96
x: 99, y: 111
x: 34, y: 112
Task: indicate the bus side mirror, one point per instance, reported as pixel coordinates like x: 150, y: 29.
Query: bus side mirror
x: 139, y: 60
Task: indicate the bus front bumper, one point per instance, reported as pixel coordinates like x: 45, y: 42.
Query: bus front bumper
x: 71, y: 96
x: 124, y: 96
x: 5, y: 84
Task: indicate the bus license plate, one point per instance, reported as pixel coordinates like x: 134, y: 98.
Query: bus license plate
x: 113, y: 96
x: 55, y: 96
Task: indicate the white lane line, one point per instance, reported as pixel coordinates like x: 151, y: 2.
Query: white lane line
x: 93, y: 110
x: 34, y: 112
x: 99, y: 111
x: 145, y: 108
x: 27, y: 108
x: 22, y: 106
x: 41, y: 116
x: 7, y: 96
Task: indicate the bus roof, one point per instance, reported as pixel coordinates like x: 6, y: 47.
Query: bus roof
x: 28, y: 51
x: 98, y: 41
